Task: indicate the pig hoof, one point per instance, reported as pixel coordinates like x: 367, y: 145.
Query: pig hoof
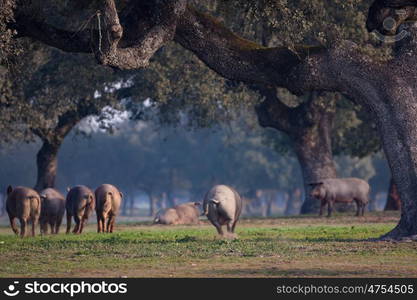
x: 231, y: 236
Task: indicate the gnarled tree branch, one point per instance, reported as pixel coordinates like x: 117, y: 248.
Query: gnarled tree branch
x: 271, y: 111
x: 130, y: 39
x: 159, y: 30
x: 153, y: 26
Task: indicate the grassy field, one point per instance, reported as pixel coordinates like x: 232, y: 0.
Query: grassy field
x: 281, y: 247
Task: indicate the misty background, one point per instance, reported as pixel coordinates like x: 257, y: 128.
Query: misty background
x: 160, y: 166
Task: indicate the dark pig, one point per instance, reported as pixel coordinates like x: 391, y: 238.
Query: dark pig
x: 52, y: 210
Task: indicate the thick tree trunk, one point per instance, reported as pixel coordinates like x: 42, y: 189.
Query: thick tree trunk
x: 52, y: 138
x: 309, y: 127
x: 392, y: 99
x: 47, y: 164
x: 393, y: 198
x: 314, y: 152
x: 399, y: 134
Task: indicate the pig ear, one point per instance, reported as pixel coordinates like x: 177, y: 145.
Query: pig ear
x: 197, y: 203
x: 9, y: 189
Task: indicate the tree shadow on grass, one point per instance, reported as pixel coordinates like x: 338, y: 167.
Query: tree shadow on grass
x: 334, y: 239
x: 306, y: 272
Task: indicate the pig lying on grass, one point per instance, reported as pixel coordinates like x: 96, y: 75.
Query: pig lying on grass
x: 186, y: 213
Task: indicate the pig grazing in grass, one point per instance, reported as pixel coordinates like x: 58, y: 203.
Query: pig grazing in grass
x: 80, y: 204
x: 108, y: 200
x: 186, y: 213
x: 52, y: 210
x: 222, y: 205
x: 24, y: 204
x: 343, y: 190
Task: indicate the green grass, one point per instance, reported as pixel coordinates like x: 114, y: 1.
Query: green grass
x: 278, y: 247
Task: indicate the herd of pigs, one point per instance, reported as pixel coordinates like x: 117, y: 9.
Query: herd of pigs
x: 222, y: 205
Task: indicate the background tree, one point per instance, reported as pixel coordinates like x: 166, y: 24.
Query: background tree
x: 53, y: 93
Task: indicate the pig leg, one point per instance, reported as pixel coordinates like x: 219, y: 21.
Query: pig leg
x: 109, y: 219
x: 13, y: 225
x: 76, y: 228
x: 329, y: 208
x: 322, y: 205
x: 218, y: 227
x: 23, y: 223
x: 230, y: 228
x: 99, y: 224
x: 110, y: 223
x: 52, y: 222
x: 113, y: 220
x: 58, y: 224
x: 83, y: 220
x: 233, y: 226
x: 363, y: 209
x: 358, y: 208
x: 106, y: 223
x: 69, y: 217
x: 77, y: 224
x: 34, y: 223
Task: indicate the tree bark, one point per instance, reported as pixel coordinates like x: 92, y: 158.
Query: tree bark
x: 393, y: 101
x: 393, y: 198
x: 312, y: 146
x: 52, y: 139
x: 47, y: 164
x: 309, y: 127
x: 399, y: 128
